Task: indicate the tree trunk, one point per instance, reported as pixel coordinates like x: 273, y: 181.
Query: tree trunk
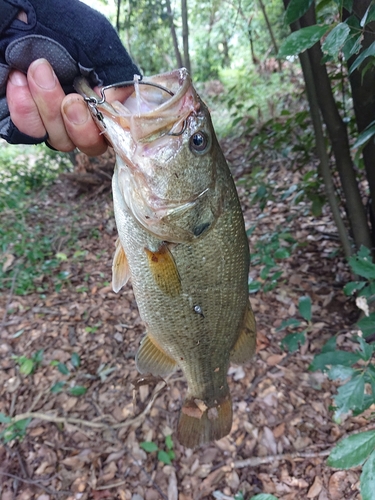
x: 339, y: 138
x: 174, y: 35
x: 364, y: 101
x: 185, y: 34
x: 118, y: 16
x: 270, y: 30
x: 322, y: 152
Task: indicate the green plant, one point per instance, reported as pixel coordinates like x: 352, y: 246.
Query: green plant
x: 75, y: 390
x: 165, y: 456
x: 293, y: 340
x: 26, y: 243
x: 15, y: 430
x: 355, y: 371
x: 29, y: 365
x: 269, y: 249
x: 72, y: 372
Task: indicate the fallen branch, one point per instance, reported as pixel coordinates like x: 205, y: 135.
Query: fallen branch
x: 254, y: 461
x: 37, y: 483
x: 94, y: 425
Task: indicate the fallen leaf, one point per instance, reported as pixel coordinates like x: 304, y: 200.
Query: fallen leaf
x: 9, y: 259
x: 315, y: 488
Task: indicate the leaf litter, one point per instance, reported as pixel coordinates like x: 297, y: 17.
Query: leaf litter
x: 85, y: 444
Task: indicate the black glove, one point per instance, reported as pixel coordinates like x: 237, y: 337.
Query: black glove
x: 75, y: 39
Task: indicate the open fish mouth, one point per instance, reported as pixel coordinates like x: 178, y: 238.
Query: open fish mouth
x: 169, y: 190
x: 158, y: 106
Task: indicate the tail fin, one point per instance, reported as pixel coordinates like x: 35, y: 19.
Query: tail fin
x: 200, y: 424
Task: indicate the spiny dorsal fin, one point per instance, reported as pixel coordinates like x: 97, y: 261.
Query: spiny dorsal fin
x: 164, y: 270
x: 151, y: 358
x: 120, y: 268
x: 244, y: 348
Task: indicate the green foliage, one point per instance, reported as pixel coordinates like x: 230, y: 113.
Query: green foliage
x: 269, y: 250
x: 72, y: 374
x: 165, y: 456
x: 296, y: 9
x: 26, y: 252
x: 355, y: 370
x: 292, y: 341
x: 363, y: 266
x: 352, y: 451
x: 301, y: 40
x: 29, y: 365
x: 14, y: 430
x: 344, y: 36
x: 24, y: 169
x: 336, y: 39
x: 368, y: 478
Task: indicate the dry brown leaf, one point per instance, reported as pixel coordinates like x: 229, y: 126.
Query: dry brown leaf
x: 315, y: 488
x: 275, y: 359
x: 9, y: 259
x: 73, y: 462
x: 233, y: 481
x: 338, y: 484
x: 262, y: 341
x: 208, y: 485
x: 279, y: 430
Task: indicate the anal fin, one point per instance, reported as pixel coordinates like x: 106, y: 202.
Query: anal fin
x: 164, y: 270
x: 244, y: 348
x: 120, y: 268
x: 151, y: 358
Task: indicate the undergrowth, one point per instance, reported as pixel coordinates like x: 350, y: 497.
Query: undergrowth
x: 26, y: 249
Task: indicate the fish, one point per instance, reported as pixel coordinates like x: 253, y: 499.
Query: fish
x: 182, y: 242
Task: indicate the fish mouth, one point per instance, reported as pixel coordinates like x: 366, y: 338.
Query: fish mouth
x: 146, y: 131
x: 158, y: 106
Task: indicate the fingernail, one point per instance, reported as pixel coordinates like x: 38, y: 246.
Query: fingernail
x: 76, y: 111
x: 18, y: 79
x: 43, y: 74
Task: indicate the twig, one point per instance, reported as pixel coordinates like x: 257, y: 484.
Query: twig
x: 53, y: 493
x: 254, y: 461
x: 87, y: 423
x: 109, y: 486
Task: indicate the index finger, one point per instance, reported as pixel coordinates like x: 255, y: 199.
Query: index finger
x: 79, y: 124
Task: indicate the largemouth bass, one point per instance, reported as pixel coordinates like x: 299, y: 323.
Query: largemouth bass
x: 182, y: 242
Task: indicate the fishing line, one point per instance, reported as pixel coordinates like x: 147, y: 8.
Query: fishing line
x: 95, y: 102
x: 127, y: 83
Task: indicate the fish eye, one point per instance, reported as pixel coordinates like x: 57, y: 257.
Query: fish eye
x: 199, y: 142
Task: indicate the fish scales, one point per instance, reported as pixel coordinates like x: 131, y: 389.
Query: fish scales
x: 188, y: 256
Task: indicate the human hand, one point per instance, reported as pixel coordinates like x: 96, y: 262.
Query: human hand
x: 38, y: 103
x: 77, y: 41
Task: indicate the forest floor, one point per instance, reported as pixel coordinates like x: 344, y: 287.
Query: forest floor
x: 88, y: 446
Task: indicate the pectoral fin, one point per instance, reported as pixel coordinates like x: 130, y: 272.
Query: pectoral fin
x: 120, y: 268
x: 244, y: 348
x: 164, y: 270
x: 151, y: 358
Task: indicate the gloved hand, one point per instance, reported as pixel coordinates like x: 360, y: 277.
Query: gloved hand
x: 74, y: 38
